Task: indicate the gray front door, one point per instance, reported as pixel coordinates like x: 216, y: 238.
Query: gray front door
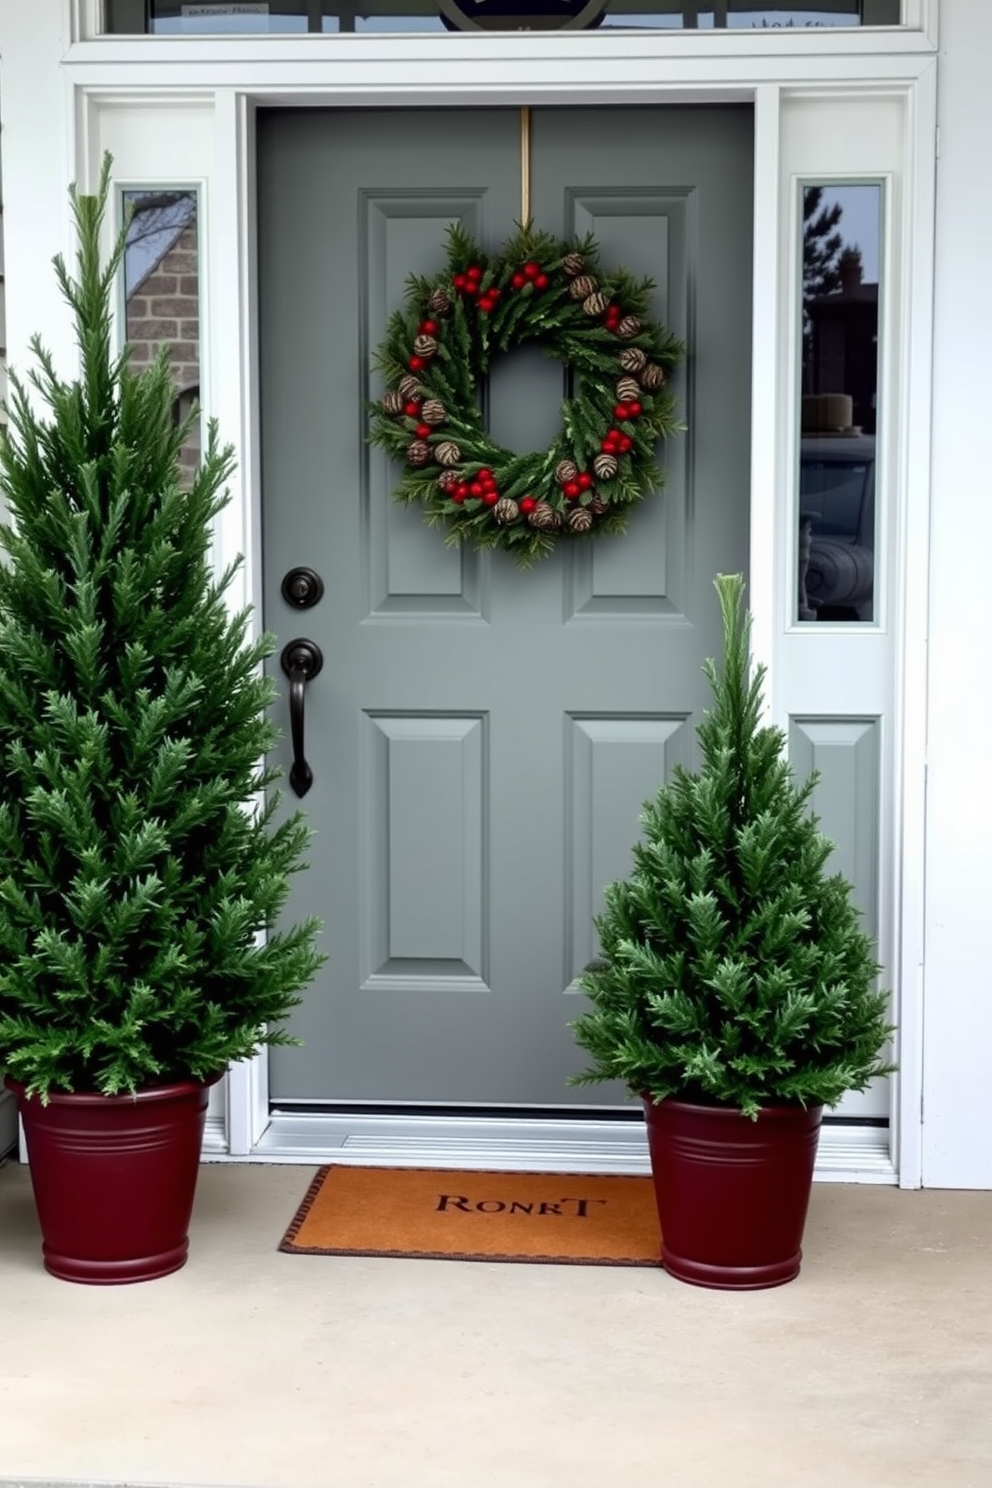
x: 482, y: 738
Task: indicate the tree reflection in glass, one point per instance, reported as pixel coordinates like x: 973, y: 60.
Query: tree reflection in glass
x: 841, y: 253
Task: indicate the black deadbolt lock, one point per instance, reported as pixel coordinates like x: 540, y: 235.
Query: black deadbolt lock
x: 302, y: 588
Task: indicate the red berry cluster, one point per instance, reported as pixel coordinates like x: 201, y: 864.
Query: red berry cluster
x: 612, y: 316
x: 617, y: 443
x: 572, y: 489
x: 482, y: 487
x: 531, y: 273
x: 627, y: 410
x: 467, y: 284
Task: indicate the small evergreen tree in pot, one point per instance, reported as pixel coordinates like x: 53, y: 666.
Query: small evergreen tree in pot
x: 140, y: 878
x: 735, y: 974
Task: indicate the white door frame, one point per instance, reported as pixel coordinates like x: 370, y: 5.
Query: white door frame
x: 183, y: 109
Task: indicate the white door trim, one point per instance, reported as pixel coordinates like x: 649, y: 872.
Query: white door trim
x: 131, y: 77
x: 911, y: 573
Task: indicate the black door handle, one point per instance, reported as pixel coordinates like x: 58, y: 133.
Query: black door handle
x: 301, y: 661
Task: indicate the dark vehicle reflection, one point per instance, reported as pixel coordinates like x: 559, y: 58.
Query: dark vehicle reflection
x: 837, y: 527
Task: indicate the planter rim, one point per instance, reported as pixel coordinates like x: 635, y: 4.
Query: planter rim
x: 721, y: 1112
x: 172, y: 1091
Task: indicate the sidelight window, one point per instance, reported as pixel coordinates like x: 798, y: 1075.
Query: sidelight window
x: 162, y: 293
x: 839, y: 321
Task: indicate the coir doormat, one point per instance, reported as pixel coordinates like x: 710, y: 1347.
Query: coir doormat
x: 440, y: 1214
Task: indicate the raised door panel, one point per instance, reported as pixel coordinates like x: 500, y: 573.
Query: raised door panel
x: 425, y: 844
x: 614, y: 766
x: 647, y: 230
x: 408, y: 572
x: 847, y: 754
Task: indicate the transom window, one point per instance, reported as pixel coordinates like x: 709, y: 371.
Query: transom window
x: 219, y: 17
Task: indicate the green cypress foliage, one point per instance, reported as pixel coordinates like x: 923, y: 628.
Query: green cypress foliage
x: 137, y: 871
x: 734, y: 969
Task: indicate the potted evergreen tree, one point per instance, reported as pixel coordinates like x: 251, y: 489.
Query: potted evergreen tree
x: 140, y: 877
x: 736, y: 991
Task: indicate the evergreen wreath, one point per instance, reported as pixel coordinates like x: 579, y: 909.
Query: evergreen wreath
x: 438, y: 351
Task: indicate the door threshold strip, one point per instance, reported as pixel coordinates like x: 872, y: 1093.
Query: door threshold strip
x: 847, y: 1154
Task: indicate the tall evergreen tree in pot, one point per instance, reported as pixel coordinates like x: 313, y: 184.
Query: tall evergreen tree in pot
x: 736, y: 991
x: 140, y: 875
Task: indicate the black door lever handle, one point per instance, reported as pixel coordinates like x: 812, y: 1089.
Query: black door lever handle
x: 301, y: 661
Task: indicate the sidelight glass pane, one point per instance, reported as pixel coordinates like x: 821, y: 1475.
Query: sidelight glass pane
x: 841, y: 256
x: 162, y: 293
x: 272, y: 17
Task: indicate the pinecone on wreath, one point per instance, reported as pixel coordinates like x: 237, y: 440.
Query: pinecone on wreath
x: 506, y: 511
x: 434, y: 411
x: 544, y: 517
x: 632, y: 359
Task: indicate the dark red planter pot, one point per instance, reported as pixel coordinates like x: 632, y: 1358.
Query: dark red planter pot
x: 732, y: 1193
x: 114, y: 1179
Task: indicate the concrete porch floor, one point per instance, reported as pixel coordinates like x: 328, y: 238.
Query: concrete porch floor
x: 872, y: 1370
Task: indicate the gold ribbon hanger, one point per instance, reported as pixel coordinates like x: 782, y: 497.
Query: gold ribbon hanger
x: 525, y: 166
